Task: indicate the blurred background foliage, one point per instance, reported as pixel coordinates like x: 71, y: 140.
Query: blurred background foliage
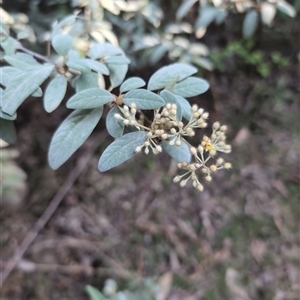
x: 237, y: 240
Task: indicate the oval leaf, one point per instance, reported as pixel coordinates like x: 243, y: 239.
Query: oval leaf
x: 23, y: 85
x: 114, y: 127
x: 117, y: 60
x: 179, y: 153
x: 85, y: 81
x: 62, y: 43
x: 170, y: 98
x: 184, y: 8
x: 71, y: 134
x: 93, y: 293
x: 143, y: 99
x: 117, y: 74
x: 55, y: 93
x: 91, y: 98
x: 191, y: 87
x: 165, y: 75
x: 131, y: 84
x: 185, y: 107
x: 121, y: 150
x: 250, y: 23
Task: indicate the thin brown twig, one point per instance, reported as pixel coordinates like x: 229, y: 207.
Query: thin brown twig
x: 39, y: 225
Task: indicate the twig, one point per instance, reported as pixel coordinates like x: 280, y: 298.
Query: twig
x: 39, y: 225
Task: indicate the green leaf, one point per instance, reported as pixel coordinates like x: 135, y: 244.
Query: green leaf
x: 105, y: 49
x: 7, y: 131
x: 71, y: 134
x: 5, y: 116
x: 62, y: 43
x: 117, y: 74
x: 131, y: 84
x: 185, y: 107
x: 85, y: 81
x: 91, y: 98
x: 121, y: 150
x: 55, y: 93
x: 94, y: 293
x: 191, y: 87
x: 86, y: 65
x: 165, y: 75
x: 184, y: 8
x: 117, y: 60
x: 170, y: 98
x: 143, y: 99
x: 179, y: 153
x: 114, y: 127
x: 23, y: 85
x: 250, y: 23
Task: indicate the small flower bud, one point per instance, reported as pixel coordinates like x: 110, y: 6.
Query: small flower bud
x: 212, y: 152
x: 205, y: 115
x: 168, y: 106
x: 173, y: 130
x: 193, y: 150
x: 227, y: 166
x: 133, y: 111
x: 164, y: 136
x: 132, y: 122
x: 194, y: 107
x: 180, y: 124
x: 176, y: 179
x: 147, y: 151
x: 183, y: 182
x: 147, y: 144
x: 172, y: 143
x: 158, y: 148
x: 200, y: 111
x: 208, y: 178
x: 199, y: 187
x: 138, y: 149
x: 157, y: 132
x: 223, y: 128
x: 118, y: 116
x: 213, y: 168
x: 178, y: 143
x: 166, y: 113
x: 216, y: 125
x: 126, y: 122
x: 126, y: 108
x: 227, y: 147
x: 200, y: 149
x: 149, y: 134
x: 220, y: 161
x: 173, y: 112
x: 221, y: 144
x: 133, y: 105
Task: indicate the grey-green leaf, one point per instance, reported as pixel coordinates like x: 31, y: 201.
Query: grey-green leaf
x: 121, y: 150
x: 23, y: 85
x: 191, y: 87
x: 185, y: 107
x: 90, y: 98
x: 117, y: 60
x: 104, y: 49
x: 62, y: 43
x: 114, y: 127
x: 131, y: 84
x: 250, y: 23
x: 94, y: 293
x: 170, y: 98
x: 86, y: 65
x: 37, y: 93
x: 7, y: 131
x: 179, y: 153
x: 71, y: 134
x: 184, y: 8
x: 21, y: 60
x: 143, y: 99
x: 85, y: 81
x: 55, y: 92
x: 165, y: 75
x: 117, y: 74
x: 7, y: 73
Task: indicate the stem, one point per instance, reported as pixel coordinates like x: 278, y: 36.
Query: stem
x: 36, y: 55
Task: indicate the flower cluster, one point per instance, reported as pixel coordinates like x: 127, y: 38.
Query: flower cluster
x: 166, y: 127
